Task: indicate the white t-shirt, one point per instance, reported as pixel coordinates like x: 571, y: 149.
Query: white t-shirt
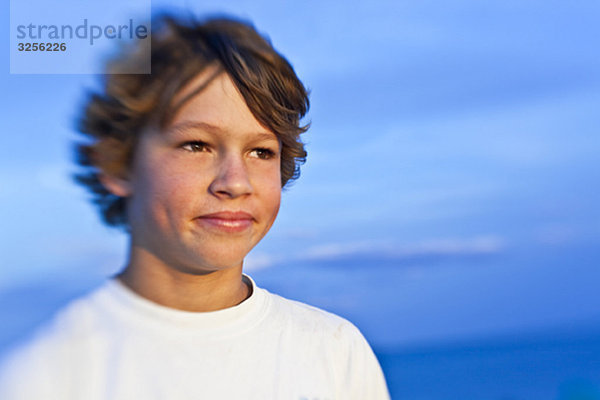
x: 114, y: 344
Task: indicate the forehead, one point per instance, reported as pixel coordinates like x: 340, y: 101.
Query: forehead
x: 196, y: 85
x: 211, y: 100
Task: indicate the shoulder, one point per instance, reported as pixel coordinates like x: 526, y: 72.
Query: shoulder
x: 340, y: 337
x: 355, y: 367
x: 40, y: 361
x: 307, y: 317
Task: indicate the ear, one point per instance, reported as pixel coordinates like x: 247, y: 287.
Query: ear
x: 118, y: 186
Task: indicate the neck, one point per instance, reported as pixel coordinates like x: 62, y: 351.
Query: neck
x: 206, y: 291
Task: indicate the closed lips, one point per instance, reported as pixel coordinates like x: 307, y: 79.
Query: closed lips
x: 229, y: 216
x: 227, y: 222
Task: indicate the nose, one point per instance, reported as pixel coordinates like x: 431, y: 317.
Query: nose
x: 231, y: 178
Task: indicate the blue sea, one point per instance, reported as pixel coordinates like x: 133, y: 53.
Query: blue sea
x: 565, y: 368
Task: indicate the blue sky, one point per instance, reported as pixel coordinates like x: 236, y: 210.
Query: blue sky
x: 454, y: 147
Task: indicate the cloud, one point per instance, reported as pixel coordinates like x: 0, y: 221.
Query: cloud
x: 449, y: 246
x: 432, y: 248
x: 257, y: 261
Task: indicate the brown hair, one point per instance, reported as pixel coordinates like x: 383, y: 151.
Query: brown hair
x: 114, y: 118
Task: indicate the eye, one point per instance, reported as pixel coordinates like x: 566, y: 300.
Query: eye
x: 195, y: 146
x: 263, y: 153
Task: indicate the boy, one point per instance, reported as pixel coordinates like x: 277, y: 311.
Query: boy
x: 191, y: 160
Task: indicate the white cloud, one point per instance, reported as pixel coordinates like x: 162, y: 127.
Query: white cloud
x: 257, y: 261
x: 449, y: 246
x: 478, y: 245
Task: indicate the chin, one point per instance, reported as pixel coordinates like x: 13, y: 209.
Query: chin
x: 208, y: 265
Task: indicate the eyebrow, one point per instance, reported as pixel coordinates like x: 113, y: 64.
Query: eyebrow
x: 185, y: 126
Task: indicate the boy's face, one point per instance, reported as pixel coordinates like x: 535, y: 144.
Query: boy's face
x: 206, y: 189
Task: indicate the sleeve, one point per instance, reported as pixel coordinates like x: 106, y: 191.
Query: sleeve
x: 20, y: 381
x: 26, y: 374
x: 362, y: 374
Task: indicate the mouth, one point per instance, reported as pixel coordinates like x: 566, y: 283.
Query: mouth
x: 227, y: 221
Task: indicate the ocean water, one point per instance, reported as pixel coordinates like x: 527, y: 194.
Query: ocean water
x: 533, y: 368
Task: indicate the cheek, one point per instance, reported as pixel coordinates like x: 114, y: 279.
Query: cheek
x: 271, y: 200
x: 275, y: 201
x: 272, y: 195
x: 161, y: 191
